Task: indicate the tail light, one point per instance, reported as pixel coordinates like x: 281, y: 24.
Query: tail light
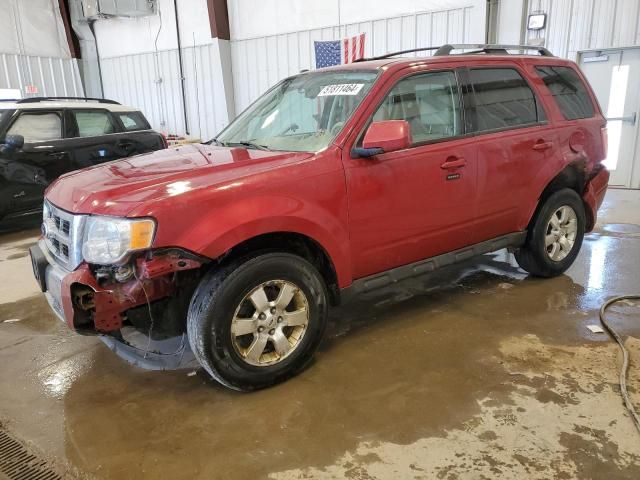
x: 164, y: 140
x: 605, y: 141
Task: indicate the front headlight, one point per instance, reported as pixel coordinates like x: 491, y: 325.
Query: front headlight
x: 109, y: 240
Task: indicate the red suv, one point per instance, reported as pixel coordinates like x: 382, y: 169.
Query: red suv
x: 341, y: 179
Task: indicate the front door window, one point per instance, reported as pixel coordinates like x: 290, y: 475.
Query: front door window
x: 428, y: 102
x: 37, y: 127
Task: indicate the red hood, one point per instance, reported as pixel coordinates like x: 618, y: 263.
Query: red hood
x: 116, y: 188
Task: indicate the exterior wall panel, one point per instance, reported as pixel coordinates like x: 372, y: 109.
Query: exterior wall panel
x: 151, y: 82
x: 626, y: 21
x: 54, y: 77
x: 575, y: 25
x: 259, y: 63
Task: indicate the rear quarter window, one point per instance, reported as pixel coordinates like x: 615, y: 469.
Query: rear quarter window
x: 503, y: 99
x: 568, y: 90
x: 133, y: 121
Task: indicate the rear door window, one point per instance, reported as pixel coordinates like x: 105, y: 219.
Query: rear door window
x: 568, y: 90
x: 93, y: 123
x: 37, y: 126
x: 503, y: 99
x: 132, y: 121
x: 428, y: 102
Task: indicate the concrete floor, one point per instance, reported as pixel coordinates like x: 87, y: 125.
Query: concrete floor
x: 491, y: 375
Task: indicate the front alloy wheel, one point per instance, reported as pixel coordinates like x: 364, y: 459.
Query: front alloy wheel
x: 254, y: 323
x: 270, y: 323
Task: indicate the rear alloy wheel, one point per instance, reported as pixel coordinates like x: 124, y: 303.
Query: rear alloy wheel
x: 562, y: 230
x: 257, y: 322
x: 555, y: 235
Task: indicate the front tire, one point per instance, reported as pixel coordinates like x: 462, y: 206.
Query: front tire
x: 256, y: 323
x: 554, y: 240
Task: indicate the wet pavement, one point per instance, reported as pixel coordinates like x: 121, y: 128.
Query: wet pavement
x: 492, y: 374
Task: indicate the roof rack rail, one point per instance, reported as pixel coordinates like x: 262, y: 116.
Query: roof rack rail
x: 478, y: 48
x: 393, y: 54
x: 491, y: 48
x: 86, y: 99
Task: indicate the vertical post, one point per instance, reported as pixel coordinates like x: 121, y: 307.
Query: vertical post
x: 182, y: 78
x: 523, y: 24
x: 95, y: 40
x: 221, y: 35
x: 491, y: 25
x: 72, y: 39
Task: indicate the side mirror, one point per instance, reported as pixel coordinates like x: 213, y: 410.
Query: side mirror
x: 383, y: 137
x: 13, y: 142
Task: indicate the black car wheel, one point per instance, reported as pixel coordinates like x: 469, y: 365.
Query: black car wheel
x: 555, y: 236
x: 258, y: 322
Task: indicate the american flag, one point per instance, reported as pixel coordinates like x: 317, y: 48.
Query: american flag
x: 336, y: 52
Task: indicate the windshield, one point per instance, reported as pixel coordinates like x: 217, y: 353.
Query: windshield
x: 302, y: 113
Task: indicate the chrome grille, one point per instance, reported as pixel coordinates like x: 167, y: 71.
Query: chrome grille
x: 62, y: 232
x: 63, y: 225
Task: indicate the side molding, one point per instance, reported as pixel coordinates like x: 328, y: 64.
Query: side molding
x: 395, y: 275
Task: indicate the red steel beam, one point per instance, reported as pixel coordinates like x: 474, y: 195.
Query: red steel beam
x: 219, y: 19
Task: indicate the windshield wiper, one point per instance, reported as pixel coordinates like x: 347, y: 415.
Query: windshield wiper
x: 216, y: 141
x: 250, y: 145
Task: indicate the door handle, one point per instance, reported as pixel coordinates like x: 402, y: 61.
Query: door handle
x: 628, y: 119
x: 125, y: 144
x: 542, y: 145
x: 454, y: 162
x: 57, y: 155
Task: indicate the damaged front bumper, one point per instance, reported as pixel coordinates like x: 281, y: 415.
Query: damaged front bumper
x: 94, y: 307
x: 49, y: 276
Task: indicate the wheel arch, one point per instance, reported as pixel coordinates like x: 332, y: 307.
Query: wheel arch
x: 292, y: 242
x: 572, y: 176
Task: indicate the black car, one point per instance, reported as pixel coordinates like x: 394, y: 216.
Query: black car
x: 42, y: 138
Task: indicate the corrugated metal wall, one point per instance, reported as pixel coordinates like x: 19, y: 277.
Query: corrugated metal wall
x: 258, y: 63
x: 574, y: 25
x: 52, y: 76
x: 151, y: 82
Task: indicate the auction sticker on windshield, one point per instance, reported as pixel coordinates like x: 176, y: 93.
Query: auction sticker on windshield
x: 343, y: 89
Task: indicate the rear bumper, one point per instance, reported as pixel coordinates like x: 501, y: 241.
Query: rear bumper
x: 593, y: 196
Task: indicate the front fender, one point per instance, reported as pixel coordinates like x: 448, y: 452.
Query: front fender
x: 216, y: 230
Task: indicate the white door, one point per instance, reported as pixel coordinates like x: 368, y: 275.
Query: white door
x: 614, y: 76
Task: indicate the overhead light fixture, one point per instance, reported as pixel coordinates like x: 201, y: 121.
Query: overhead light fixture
x: 536, y: 21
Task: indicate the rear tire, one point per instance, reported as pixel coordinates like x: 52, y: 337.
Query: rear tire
x: 555, y: 237
x: 258, y: 322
